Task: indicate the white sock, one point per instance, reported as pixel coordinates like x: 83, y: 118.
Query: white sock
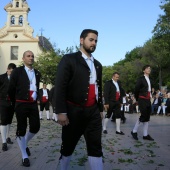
x: 22, y: 146
x: 95, y: 163
x: 48, y: 114
x: 55, y: 116
x: 8, y: 129
x: 137, y: 109
x: 105, y: 123
x: 28, y: 137
x: 118, y: 125
x: 3, y: 133
x: 65, y: 162
x: 40, y: 113
x: 135, y: 129
x: 145, y: 128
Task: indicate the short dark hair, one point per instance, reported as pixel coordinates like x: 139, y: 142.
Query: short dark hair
x: 115, y: 73
x: 11, y: 66
x: 26, y: 52
x: 144, y: 67
x: 85, y: 32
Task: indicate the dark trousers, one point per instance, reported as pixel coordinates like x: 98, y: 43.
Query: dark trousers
x: 83, y: 121
x: 6, y: 112
x: 114, y: 107
x: 145, y: 109
x: 44, y: 105
x: 24, y: 111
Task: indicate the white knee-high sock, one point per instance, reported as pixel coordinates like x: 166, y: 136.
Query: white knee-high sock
x: 8, y: 129
x: 135, y: 129
x: 118, y: 125
x: 28, y: 137
x: 105, y: 123
x: 48, y: 114
x: 137, y: 109
x: 3, y: 133
x: 145, y: 128
x: 55, y: 117
x: 65, y: 160
x: 40, y: 113
x: 22, y: 146
x: 95, y: 163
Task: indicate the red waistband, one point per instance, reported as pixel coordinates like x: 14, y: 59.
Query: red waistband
x: 25, y: 101
x: 146, y: 97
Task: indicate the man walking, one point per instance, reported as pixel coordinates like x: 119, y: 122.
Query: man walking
x: 78, y: 97
x: 6, y: 107
x: 113, y: 95
x: 23, y: 89
x: 143, y: 95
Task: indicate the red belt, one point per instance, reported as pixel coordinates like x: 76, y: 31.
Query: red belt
x: 145, y: 97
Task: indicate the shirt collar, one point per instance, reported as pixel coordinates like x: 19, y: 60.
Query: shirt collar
x: 114, y: 81
x: 86, y: 58
x: 28, y: 69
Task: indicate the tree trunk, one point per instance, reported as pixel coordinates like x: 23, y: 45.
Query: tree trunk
x: 160, y: 78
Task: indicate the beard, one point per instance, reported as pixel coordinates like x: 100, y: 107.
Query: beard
x: 89, y: 49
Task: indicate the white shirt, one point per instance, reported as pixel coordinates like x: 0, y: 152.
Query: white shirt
x: 32, y: 79
x: 93, y: 76
x: 149, y: 84
x: 117, y: 86
x: 45, y: 93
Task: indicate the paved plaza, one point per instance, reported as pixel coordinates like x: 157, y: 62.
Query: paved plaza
x: 121, y: 152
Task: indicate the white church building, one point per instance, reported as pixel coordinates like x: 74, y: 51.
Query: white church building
x: 17, y: 35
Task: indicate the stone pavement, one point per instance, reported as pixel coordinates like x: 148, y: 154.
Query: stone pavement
x: 121, y: 152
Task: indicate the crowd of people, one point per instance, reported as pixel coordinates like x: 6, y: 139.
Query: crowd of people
x: 77, y: 102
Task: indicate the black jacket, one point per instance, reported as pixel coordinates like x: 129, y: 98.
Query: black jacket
x: 159, y: 101
x: 20, y: 85
x: 141, y: 88
x: 4, y: 84
x: 110, y: 92
x: 72, y: 81
x: 51, y: 96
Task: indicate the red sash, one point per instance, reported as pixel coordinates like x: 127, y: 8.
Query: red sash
x: 146, y: 97
x: 91, y: 99
x: 44, y: 99
x: 30, y: 99
x: 30, y: 96
x: 117, y: 96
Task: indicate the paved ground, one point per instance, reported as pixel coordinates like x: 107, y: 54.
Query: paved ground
x: 120, y: 152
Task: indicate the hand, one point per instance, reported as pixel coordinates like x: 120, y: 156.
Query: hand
x: 63, y: 119
x: 106, y: 107
x: 101, y: 114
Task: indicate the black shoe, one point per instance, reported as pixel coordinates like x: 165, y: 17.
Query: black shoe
x: 113, y: 120
x: 134, y: 135
x: 8, y: 140
x: 26, y: 162
x: 119, y: 133
x: 105, y: 131
x: 41, y: 118
x: 148, y: 137
x: 48, y: 119
x: 28, y: 151
x: 4, y: 147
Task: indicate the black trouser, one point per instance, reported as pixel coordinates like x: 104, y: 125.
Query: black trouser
x: 6, y: 112
x: 145, y: 109
x: 114, y: 107
x: 83, y: 121
x: 44, y: 105
x: 24, y: 111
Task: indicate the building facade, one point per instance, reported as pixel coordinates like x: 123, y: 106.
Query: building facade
x: 17, y: 35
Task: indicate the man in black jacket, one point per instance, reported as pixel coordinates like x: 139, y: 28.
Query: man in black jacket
x: 6, y: 107
x: 143, y: 95
x: 78, y: 97
x: 23, y: 89
x: 113, y: 96
x: 44, y: 101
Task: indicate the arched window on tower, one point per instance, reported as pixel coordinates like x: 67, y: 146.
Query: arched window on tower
x: 12, y: 20
x: 17, y: 4
x: 20, y: 20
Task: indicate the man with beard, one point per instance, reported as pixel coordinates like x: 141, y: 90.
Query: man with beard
x: 78, y: 97
x: 143, y: 96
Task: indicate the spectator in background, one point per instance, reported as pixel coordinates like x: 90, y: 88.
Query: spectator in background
x: 156, y: 103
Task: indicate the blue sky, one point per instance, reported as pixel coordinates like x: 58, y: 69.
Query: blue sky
x: 122, y: 24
